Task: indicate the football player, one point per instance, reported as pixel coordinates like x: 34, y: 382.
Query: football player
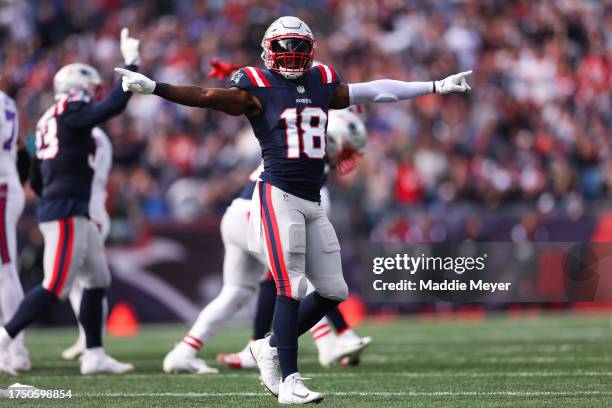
x: 12, y: 201
x: 243, y: 270
x: 101, y: 163
x: 62, y: 178
x: 287, y: 105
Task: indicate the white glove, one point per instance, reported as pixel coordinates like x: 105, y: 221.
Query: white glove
x: 129, y: 48
x: 453, y: 83
x: 135, y: 82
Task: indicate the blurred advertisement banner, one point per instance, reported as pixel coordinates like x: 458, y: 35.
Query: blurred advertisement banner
x: 488, y: 272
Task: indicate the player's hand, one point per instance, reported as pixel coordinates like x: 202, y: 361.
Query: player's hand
x: 135, y: 82
x: 220, y: 69
x: 453, y: 83
x: 129, y: 48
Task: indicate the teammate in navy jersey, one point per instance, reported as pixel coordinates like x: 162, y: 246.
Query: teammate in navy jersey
x: 62, y: 178
x: 287, y: 106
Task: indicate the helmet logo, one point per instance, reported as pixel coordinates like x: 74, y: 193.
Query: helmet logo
x: 301, y: 89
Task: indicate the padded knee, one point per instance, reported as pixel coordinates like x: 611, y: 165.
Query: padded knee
x: 337, y: 291
x: 236, y: 296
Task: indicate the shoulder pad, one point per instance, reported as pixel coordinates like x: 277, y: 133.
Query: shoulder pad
x: 328, y: 74
x: 249, y: 77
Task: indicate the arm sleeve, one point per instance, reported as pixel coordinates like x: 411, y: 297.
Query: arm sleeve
x: 387, y: 90
x: 93, y: 114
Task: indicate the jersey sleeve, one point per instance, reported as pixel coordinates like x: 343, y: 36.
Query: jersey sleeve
x: 241, y: 80
x: 249, y: 78
x: 79, y: 114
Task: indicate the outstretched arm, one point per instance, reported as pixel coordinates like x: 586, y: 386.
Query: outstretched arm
x: 388, y: 90
x: 233, y: 101
x: 93, y: 114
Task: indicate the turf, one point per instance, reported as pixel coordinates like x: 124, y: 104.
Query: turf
x: 551, y: 361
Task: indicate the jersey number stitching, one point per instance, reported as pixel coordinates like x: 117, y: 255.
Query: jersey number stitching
x: 309, y: 133
x: 47, y: 143
x: 11, y: 116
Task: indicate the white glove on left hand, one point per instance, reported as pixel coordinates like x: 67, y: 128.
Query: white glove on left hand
x: 453, y: 83
x: 135, y: 82
x: 129, y: 48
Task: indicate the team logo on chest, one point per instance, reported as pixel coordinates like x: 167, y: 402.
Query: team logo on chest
x: 301, y: 90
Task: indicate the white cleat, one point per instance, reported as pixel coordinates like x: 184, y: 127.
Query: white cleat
x: 98, y: 362
x: 266, y: 358
x: 293, y: 391
x: 176, y: 362
x: 75, y: 351
x: 5, y: 364
x: 242, y: 359
x: 343, y: 351
x: 20, y: 360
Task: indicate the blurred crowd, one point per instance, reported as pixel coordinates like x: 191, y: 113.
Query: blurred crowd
x: 534, y: 131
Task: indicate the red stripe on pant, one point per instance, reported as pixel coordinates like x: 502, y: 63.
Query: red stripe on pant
x: 68, y: 257
x: 61, y: 269
x: 268, y: 243
x: 281, y: 256
x: 4, y: 252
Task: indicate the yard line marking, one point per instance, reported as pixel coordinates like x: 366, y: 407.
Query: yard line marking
x: 362, y: 394
x: 435, y: 374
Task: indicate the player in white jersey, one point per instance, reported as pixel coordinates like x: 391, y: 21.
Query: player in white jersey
x: 243, y: 270
x: 101, y: 162
x: 11, y: 206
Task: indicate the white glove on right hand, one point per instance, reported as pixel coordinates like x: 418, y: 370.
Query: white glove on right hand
x: 129, y: 48
x: 135, y: 82
x: 453, y: 83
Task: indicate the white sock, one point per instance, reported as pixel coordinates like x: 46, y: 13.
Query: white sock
x: 5, y: 339
x: 95, y: 351
x: 189, y: 345
x: 322, y: 335
x: 348, y: 335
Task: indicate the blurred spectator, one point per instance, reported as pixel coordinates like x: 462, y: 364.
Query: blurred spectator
x: 535, y: 130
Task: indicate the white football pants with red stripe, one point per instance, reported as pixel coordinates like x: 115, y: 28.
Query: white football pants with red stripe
x: 300, y: 243
x: 73, y: 247
x: 11, y: 206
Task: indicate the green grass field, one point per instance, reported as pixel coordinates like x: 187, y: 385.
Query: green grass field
x: 547, y: 361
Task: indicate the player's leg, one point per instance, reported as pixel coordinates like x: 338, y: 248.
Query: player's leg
x: 264, y: 309
x: 325, y: 272
x: 262, y: 323
x: 74, y: 297
x: 324, y: 337
x: 284, y: 229
x: 102, y: 221
x: 241, y: 272
x: 95, y: 277
x: 11, y: 292
x: 64, y: 251
x: 347, y: 340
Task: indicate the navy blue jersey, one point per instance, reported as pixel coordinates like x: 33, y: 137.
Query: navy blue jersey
x: 62, y: 175
x: 291, y: 128
x: 247, y: 190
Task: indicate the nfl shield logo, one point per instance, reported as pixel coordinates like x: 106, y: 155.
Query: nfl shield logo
x: 301, y: 89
